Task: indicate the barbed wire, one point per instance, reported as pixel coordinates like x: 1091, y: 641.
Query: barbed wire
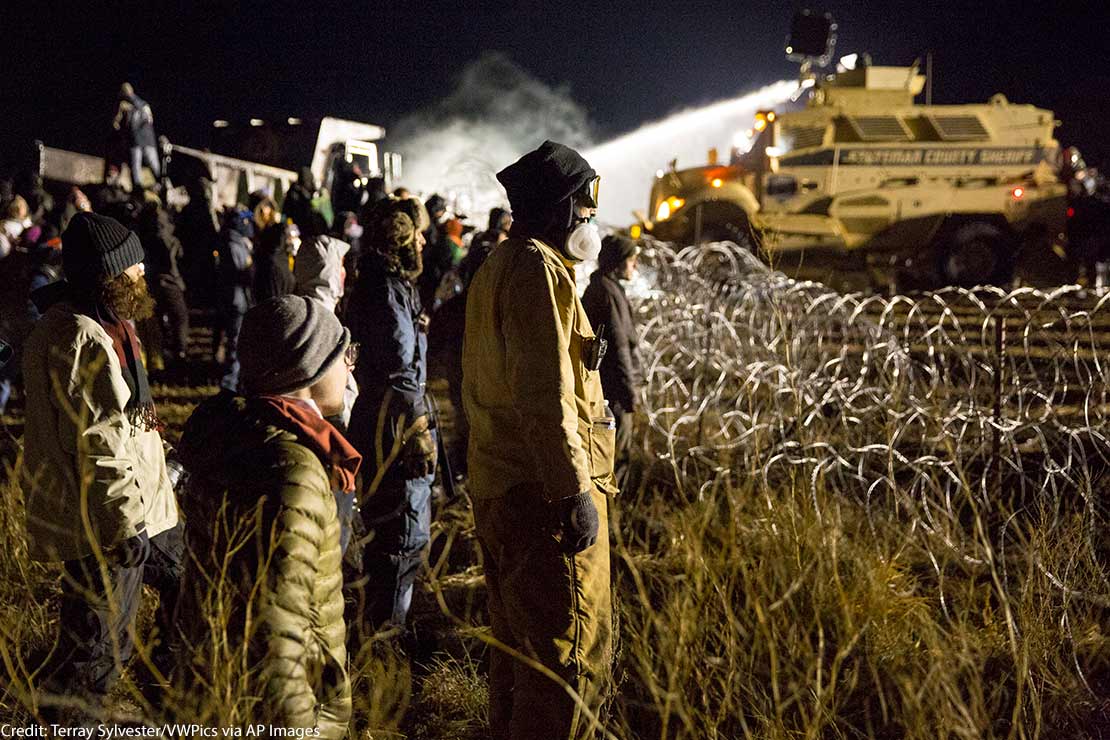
x: 924, y: 408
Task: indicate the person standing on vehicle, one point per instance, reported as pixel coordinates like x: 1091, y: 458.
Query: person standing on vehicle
x: 607, y: 305
x: 94, y: 476
x: 541, y: 452
x: 390, y: 424
x: 135, y: 121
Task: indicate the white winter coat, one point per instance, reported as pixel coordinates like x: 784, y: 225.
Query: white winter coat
x: 90, y: 478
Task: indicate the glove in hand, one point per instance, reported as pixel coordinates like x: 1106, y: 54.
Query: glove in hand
x: 420, y: 454
x: 578, y: 522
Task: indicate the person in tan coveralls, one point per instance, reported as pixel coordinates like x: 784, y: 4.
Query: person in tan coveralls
x: 541, y: 454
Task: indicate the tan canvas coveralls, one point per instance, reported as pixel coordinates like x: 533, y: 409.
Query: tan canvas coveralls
x: 539, y: 432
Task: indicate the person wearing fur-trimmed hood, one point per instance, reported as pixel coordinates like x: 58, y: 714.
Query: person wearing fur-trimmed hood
x: 390, y: 423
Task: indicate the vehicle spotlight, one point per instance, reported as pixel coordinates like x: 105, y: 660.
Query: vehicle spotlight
x: 668, y: 207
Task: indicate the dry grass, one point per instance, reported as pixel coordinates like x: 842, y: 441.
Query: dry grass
x: 755, y: 602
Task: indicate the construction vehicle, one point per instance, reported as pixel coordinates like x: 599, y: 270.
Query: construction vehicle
x: 865, y: 187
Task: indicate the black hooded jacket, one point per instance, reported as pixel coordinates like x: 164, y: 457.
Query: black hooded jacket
x: 540, y: 185
x: 606, y: 303
x: 385, y: 318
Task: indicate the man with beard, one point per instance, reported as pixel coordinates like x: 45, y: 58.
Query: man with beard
x: 94, y: 472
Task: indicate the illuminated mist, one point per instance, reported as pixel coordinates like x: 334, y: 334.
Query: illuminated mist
x: 498, y: 111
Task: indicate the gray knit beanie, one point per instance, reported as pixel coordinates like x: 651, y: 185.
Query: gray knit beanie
x: 95, y: 247
x: 288, y: 343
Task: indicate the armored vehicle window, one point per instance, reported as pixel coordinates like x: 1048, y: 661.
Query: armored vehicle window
x: 879, y: 128
x: 803, y: 137
x: 958, y: 128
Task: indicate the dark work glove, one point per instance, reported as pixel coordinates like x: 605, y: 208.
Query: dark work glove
x: 420, y: 455
x: 578, y: 522
x: 133, y: 551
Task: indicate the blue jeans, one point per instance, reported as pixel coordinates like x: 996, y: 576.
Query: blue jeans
x: 141, y: 155
x: 233, y: 321
x: 399, y: 516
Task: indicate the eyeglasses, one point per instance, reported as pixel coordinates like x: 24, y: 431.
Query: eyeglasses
x: 350, y: 355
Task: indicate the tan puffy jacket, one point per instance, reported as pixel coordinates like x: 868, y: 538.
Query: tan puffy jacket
x: 536, y: 413
x: 89, y: 477
x: 263, y: 537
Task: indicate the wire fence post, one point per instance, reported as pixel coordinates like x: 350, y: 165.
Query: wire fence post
x: 996, y: 442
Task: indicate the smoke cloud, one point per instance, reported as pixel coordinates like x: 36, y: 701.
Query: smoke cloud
x: 498, y: 111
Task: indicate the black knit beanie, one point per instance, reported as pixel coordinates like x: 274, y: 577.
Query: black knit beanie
x: 96, y: 247
x: 288, y: 343
x: 543, y: 178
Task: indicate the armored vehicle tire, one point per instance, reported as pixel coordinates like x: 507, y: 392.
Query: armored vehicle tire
x: 977, y: 253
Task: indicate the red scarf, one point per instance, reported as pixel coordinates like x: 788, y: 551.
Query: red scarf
x: 317, y: 433
x: 129, y: 351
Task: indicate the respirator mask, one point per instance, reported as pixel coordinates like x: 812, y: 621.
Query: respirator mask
x: 584, y: 239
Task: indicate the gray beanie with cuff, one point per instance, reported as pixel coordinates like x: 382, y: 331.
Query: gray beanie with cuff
x: 288, y: 343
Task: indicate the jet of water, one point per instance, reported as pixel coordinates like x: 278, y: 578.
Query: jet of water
x: 498, y: 111
x: 628, y: 163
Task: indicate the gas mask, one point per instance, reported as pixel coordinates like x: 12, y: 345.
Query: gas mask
x: 584, y: 239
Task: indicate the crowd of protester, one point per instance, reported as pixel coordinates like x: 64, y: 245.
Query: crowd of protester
x: 322, y: 440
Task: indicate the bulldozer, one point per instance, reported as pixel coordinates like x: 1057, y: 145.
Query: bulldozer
x: 863, y: 187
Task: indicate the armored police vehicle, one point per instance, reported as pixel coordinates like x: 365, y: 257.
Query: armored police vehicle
x: 864, y: 186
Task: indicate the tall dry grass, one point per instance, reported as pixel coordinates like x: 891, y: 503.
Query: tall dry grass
x: 820, y: 543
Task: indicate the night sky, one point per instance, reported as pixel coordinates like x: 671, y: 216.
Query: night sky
x: 625, y: 62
